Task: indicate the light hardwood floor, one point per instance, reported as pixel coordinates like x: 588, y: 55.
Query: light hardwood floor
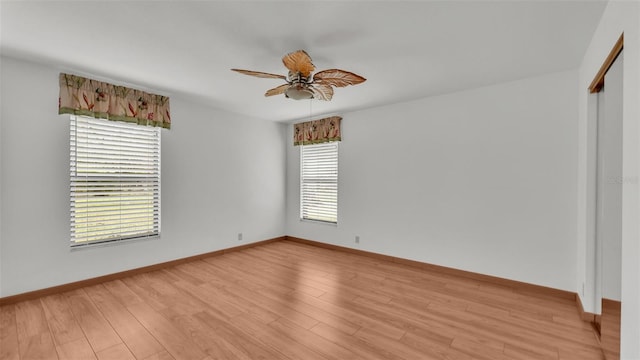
x: 287, y: 300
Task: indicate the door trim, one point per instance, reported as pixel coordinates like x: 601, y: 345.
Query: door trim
x: 598, y: 80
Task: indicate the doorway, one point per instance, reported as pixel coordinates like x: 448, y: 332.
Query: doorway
x: 608, y: 219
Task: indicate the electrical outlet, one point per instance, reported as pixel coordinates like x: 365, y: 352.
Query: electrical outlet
x: 357, y: 239
x: 239, y: 236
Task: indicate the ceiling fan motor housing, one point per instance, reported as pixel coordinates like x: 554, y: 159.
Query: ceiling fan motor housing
x: 299, y: 88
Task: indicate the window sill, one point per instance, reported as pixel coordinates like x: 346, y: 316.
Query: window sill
x: 109, y: 243
x: 319, y: 222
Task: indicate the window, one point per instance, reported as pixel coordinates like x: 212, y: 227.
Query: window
x: 115, y: 181
x: 319, y: 182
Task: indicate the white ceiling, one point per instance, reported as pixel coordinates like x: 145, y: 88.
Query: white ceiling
x: 405, y: 49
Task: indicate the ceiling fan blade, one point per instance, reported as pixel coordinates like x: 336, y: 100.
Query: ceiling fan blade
x: 299, y: 62
x: 322, y: 91
x: 277, y: 90
x: 337, y: 77
x: 260, y: 74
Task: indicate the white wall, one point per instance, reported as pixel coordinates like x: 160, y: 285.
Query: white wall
x: 221, y: 174
x: 619, y: 17
x: 482, y: 180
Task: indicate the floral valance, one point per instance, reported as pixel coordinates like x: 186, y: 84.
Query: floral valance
x: 82, y: 96
x: 317, y: 131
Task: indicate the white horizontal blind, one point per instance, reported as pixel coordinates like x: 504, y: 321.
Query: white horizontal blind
x: 319, y: 182
x: 115, y: 180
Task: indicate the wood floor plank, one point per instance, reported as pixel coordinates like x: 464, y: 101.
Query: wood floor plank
x: 62, y: 322
x: 77, y: 350
x: 177, y: 343
x: 164, y: 355
x: 30, y: 319
x: 206, y: 338
x: 385, y: 313
x: 610, y: 326
x: 478, y: 350
x: 580, y: 354
x: 275, y: 338
x: 289, y: 278
x: 116, y: 352
x: 158, y: 288
x: 337, y: 281
x: 95, y: 327
x: 314, y: 341
x: 345, y: 310
x: 276, y: 307
x: 355, y: 344
x: 287, y: 300
x: 279, y: 307
x: 528, y: 352
x: 520, y: 337
x: 9, y: 348
x: 136, y: 337
x: 34, y: 338
x: 433, y: 350
x: 122, y: 292
x: 216, y: 299
x: 228, y: 295
x: 37, y: 347
x: 320, y: 314
x: 250, y: 346
x: 392, y: 345
x: 253, y: 276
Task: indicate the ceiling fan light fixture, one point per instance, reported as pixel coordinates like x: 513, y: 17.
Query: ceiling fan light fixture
x: 298, y: 93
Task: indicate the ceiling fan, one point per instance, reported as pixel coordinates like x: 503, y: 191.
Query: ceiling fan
x: 300, y: 84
